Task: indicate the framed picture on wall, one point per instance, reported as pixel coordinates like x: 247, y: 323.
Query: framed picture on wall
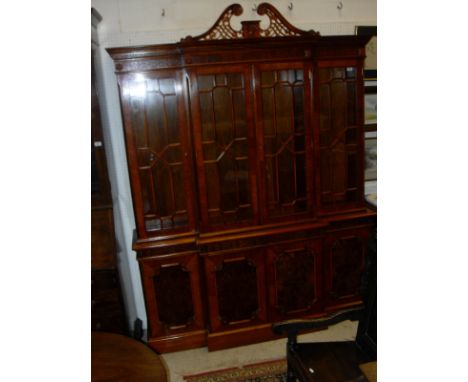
x: 370, y: 105
x: 370, y: 65
x: 370, y: 158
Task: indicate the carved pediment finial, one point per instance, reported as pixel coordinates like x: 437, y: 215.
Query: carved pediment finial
x: 222, y: 28
x: 278, y: 26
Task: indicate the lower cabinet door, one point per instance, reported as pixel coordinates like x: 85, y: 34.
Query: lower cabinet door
x: 172, y: 293
x: 345, y: 265
x: 235, y: 285
x: 294, y: 279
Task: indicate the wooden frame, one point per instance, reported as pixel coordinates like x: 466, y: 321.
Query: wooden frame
x: 370, y: 105
x: 370, y: 65
x: 370, y: 158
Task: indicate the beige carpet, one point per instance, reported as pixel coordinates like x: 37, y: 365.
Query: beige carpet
x: 196, y: 361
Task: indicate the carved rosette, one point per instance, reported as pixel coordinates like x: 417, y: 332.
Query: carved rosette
x: 278, y: 26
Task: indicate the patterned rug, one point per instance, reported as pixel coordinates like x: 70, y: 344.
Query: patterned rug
x: 270, y: 371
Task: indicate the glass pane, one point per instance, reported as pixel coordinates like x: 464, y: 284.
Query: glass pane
x: 155, y: 127
x: 339, y: 137
x: 282, y: 94
x: 225, y: 147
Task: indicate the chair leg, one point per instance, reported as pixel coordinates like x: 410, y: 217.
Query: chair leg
x: 290, y: 346
x: 290, y: 377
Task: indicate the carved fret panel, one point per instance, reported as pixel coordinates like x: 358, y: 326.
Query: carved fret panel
x: 278, y: 26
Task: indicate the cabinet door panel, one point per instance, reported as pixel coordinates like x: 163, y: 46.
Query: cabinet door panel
x: 224, y: 146
x: 156, y: 132
x: 172, y: 294
x: 283, y: 102
x: 236, y: 289
x: 345, y: 265
x: 341, y: 137
x: 294, y: 279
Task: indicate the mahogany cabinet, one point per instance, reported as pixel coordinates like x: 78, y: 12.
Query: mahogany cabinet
x: 245, y: 150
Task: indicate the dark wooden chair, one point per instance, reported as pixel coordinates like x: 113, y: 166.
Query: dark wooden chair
x: 347, y: 361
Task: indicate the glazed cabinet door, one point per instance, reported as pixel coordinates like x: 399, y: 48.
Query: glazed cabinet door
x: 345, y: 261
x: 158, y: 151
x: 294, y: 279
x: 283, y: 104
x: 172, y: 294
x: 341, y: 138
x: 236, y: 289
x: 224, y: 146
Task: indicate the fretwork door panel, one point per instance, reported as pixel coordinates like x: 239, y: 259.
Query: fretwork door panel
x: 341, y: 148
x: 158, y: 151
x: 283, y: 97
x: 224, y: 145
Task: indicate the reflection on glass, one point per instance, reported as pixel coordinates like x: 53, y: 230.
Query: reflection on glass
x: 339, y: 136
x: 156, y: 133
x: 282, y: 97
x: 225, y: 147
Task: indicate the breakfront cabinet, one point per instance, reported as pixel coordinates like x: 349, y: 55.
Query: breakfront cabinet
x: 245, y: 152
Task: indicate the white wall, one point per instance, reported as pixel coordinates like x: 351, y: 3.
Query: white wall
x: 140, y: 22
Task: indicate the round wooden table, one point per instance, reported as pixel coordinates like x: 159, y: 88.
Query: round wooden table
x: 118, y: 358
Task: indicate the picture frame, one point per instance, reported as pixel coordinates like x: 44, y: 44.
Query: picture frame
x: 370, y: 157
x: 370, y: 102
x: 370, y: 77
x: 370, y: 64
x: 370, y: 105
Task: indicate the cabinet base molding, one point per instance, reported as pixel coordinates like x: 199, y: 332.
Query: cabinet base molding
x: 345, y: 305
x: 177, y: 342
x: 240, y: 337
